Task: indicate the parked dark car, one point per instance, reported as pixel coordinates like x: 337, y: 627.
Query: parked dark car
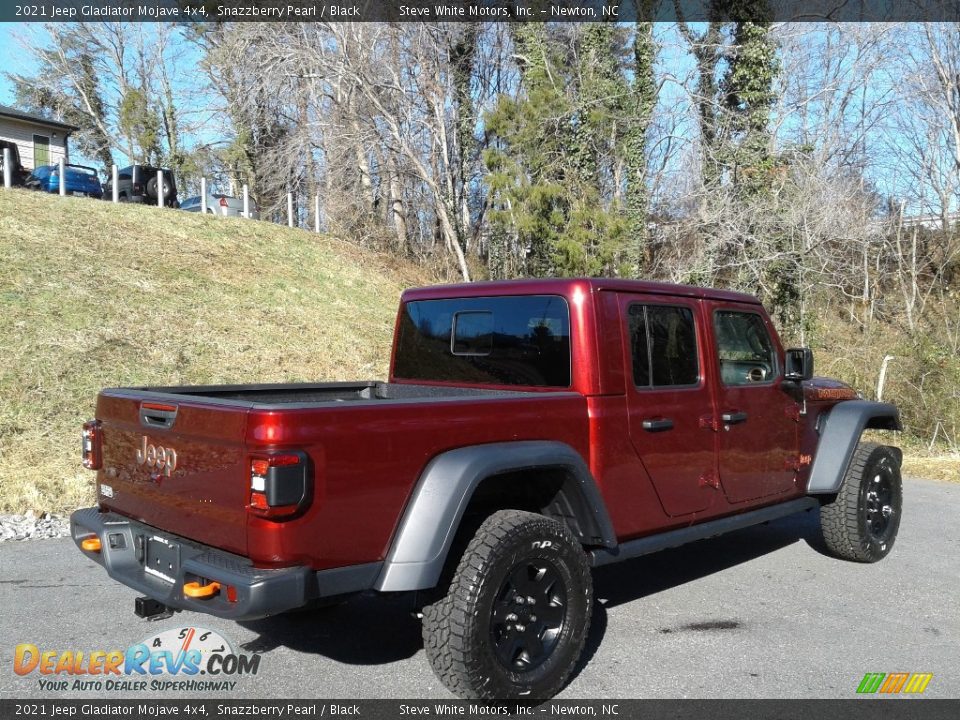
x: 19, y: 174
x: 80, y: 180
x: 138, y: 183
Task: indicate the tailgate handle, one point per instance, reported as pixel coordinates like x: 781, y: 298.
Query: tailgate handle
x: 157, y: 415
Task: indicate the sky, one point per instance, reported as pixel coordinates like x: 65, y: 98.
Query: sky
x: 674, y: 62
x: 13, y: 60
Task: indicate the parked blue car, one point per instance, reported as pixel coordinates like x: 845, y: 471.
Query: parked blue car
x: 81, y: 180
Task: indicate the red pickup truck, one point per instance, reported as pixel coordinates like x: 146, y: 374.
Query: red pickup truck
x: 528, y: 431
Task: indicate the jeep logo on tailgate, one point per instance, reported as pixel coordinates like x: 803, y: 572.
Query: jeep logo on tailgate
x: 161, y: 458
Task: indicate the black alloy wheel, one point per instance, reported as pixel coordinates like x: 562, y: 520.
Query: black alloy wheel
x: 878, y: 503
x: 528, y: 615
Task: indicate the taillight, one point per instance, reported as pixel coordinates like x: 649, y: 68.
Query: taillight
x: 91, y: 444
x: 279, y: 485
x: 223, y: 202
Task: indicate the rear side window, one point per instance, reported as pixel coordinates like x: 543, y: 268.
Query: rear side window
x: 663, y: 341
x: 496, y: 340
x: 744, y: 347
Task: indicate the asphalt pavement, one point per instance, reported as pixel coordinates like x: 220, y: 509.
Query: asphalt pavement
x: 760, y: 613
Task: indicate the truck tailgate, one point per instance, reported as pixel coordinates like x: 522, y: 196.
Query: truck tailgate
x: 176, y: 464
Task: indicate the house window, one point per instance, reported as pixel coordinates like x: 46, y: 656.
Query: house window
x: 41, y: 150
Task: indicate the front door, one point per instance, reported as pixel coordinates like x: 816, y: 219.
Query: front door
x: 667, y: 394
x: 757, y: 421
x: 41, y: 151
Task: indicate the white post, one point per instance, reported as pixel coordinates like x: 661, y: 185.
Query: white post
x: 246, y: 201
x: 159, y: 188
x: 7, y: 170
x: 63, y: 177
x: 113, y: 184
x: 203, y: 195
x: 289, y: 209
x: 316, y: 213
x: 882, y: 380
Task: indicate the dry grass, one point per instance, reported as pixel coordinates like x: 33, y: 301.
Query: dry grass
x: 95, y: 295
x: 918, y: 462
x: 922, y: 381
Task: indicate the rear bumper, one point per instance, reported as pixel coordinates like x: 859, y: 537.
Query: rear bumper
x: 258, y: 592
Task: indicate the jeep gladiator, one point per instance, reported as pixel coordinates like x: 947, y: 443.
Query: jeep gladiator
x: 528, y: 431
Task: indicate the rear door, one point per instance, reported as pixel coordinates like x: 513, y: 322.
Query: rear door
x: 758, y: 437
x: 177, y: 465
x: 667, y: 394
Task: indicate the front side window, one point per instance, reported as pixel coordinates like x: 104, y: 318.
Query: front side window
x: 522, y: 340
x: 746, y: 353
x: 663, y: 341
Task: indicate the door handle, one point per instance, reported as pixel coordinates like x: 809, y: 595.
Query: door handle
x: 658, y: 424
x: 733, y: 417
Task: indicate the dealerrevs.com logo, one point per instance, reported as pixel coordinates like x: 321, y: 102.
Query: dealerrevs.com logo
x: 173, y: 660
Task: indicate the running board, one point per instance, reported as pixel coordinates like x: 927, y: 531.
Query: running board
x: 712, y: 528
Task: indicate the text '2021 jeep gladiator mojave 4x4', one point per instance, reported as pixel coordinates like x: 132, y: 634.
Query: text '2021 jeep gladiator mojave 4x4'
x: 529, y: 430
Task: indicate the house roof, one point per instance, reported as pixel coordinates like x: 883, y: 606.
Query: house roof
x: 9, y: 112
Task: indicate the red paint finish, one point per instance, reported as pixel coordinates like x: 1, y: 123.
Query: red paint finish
x: 366, y: 457
x: 679, y: 460
x: 753, y: 455
x: 205, y: 497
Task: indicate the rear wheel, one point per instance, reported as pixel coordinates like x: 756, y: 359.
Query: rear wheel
x: 862, y: 521
x: 514, y: 620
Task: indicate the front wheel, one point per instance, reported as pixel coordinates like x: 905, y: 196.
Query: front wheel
x: 515, y: 618
x: 862, y: 521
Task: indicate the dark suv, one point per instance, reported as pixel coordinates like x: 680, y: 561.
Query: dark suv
x: 138, y: 183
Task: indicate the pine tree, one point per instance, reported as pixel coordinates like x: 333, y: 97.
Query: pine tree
x: 644, y: 97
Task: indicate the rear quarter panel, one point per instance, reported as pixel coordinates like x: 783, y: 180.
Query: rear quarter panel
x: 368, y: 457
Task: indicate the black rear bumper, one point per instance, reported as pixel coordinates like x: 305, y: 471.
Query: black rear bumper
x: 256, y: 592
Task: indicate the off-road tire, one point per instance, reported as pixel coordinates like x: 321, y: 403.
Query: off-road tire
x: 154, y: 189
x: 861, y: 522
x: 463, y: 632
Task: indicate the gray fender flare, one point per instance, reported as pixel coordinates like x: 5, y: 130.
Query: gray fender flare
x: 840, y: 431
x: 444, y: 490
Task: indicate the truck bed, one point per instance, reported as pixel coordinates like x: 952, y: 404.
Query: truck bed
x: 305, y: 395
x: 367, y: 443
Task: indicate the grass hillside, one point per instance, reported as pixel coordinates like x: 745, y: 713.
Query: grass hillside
x: 94, y: 294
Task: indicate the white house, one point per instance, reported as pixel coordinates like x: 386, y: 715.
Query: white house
x: 41, y: 141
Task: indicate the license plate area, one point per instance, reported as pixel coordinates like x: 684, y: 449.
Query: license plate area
x: 161, y: 558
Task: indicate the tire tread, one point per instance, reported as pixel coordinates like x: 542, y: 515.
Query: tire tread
x: 840, y: 518
x: 446, y: 623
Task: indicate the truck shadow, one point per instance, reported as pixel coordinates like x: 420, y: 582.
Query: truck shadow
x: 376, y: 630
x: 648, y: 575
x: 366, y: 630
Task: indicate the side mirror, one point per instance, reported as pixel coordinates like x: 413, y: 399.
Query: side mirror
x: 799, y: 365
